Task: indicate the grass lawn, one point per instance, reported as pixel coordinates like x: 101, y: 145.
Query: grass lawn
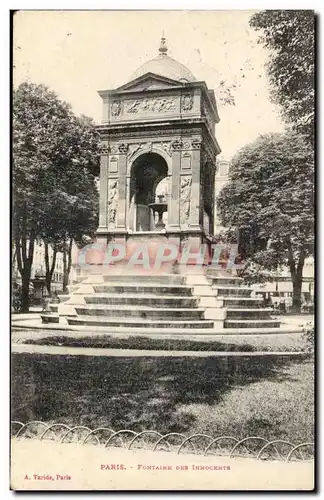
x: 226, y: 343
x: 267, y: 396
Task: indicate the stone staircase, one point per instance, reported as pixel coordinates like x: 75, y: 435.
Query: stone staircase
x: 242, y: 310
x: 172, y: 303
x: 136, y: 301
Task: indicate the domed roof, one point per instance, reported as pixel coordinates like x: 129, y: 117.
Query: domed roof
x: 164, y: 65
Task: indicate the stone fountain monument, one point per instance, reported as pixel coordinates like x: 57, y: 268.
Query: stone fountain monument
x: 159, y: 125
x: 158, y: 128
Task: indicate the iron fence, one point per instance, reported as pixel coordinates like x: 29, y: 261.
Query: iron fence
x: 201, y: 444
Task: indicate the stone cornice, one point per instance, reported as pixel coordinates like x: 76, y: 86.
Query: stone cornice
x: 180, y: 89
x: 161, y: 128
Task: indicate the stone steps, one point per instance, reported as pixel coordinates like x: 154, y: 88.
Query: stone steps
x: 128, y: 325
x: 232, y: 290
x: 251, y: 323
x: 258, y: 313
x: 146, y: 289
x: 140, y: 299
x: 167, y: 301
x: 241, y: 302
x: 144, y: 312
x: 161, y: 279
x: 226, y: 282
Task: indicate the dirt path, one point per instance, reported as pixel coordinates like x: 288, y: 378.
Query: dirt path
x: 96, y: 351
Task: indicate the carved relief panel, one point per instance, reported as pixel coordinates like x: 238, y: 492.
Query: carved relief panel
x: 185, y: 199
x: 121, y: 109
x: 150, y: 105
x: 115, y: 108
x: 187, y: 102
x: 112, y: 202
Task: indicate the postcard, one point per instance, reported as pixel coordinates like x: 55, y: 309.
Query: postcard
x: 162, y: 263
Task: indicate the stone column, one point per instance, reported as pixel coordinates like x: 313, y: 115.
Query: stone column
x: 174, y: 200
x: 122, y: 187
x: 195, y: 186
x: 103, y: 193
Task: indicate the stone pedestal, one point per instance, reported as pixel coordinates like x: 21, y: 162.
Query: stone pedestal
x: 38, y: 284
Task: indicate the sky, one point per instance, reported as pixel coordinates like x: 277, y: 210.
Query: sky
x: 77, y: 53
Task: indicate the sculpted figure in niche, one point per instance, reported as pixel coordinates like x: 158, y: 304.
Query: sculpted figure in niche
x: 185, y: 199
x: 115, y: 108
x: 112, y: 202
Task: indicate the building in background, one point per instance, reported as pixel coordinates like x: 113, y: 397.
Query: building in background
x: 38, y: 267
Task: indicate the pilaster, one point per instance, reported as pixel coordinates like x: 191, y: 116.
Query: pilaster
x: 195, y: 185
x: 122, y: 186
x: 103, y: 194
x: 174, y: 200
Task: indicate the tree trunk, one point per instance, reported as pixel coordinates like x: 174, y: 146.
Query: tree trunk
x: 25, y: 280
x: 47, y: 270
x: 67, y: 263
x: 296, y: 272
x: 297, y: 288
x: 24, y: 261
x: 49, y: 267
x: 65, y: 274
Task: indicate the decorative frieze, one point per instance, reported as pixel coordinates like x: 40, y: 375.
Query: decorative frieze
x: 115, y: 135
x: 103, y: 148
x: 159, y: 105
x: 122, y: 148
x: 177, y: 145
x: 187, y: 102
x: 117, y: 149
x: 196, y: 144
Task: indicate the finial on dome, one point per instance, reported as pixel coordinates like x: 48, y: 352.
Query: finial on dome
x: 163, y: 47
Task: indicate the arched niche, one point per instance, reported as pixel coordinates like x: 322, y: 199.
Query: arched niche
x: 147, y: 172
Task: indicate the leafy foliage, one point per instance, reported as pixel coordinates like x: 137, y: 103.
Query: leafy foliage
x: 269, y: 203
x: 289, y: 35
x: 55, y: 160
x: 309, y: 336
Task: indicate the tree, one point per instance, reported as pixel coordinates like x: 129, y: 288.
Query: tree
x: 53, y: 153
x: 269, y: 202
x: 73, y: 218
x: 289, y: 35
